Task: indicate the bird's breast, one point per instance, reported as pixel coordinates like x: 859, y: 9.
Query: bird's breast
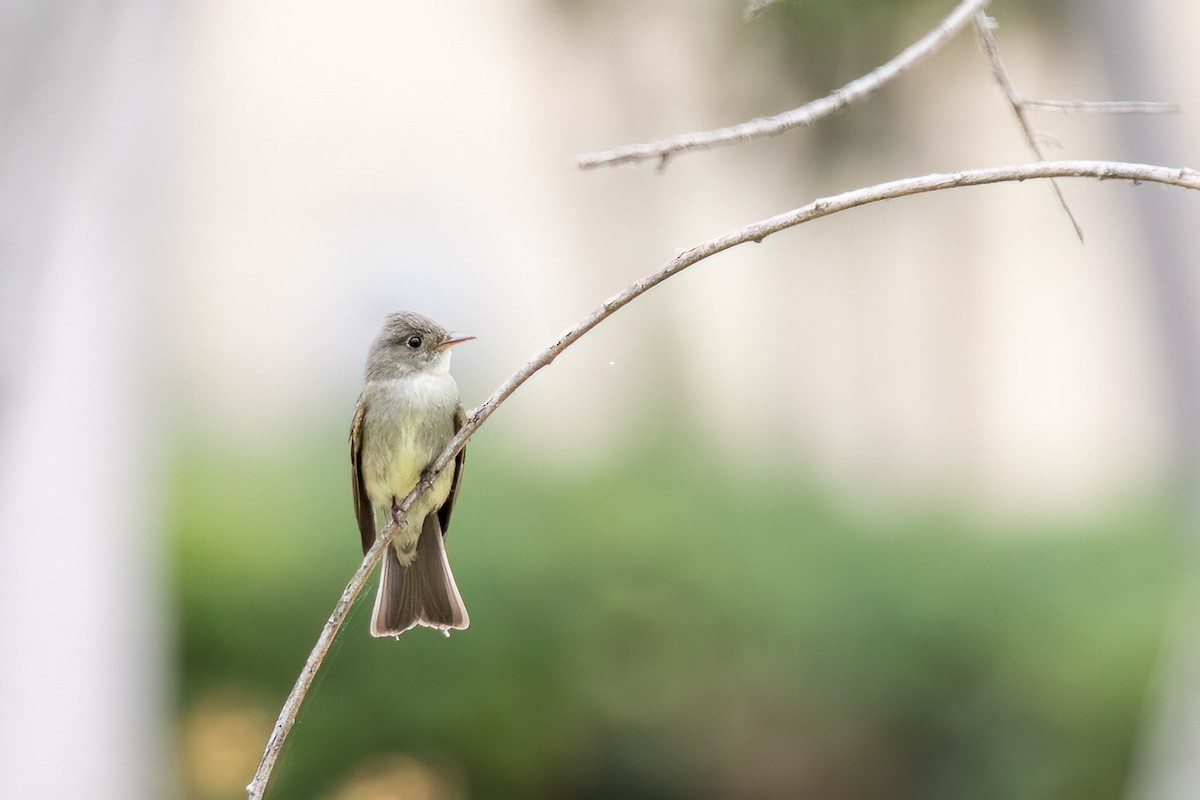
x: 408, y: 422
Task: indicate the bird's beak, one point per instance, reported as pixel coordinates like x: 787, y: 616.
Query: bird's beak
x: 453, y: 339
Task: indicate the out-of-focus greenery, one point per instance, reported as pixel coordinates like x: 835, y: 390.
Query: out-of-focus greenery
x: 840, y: 41
x: 665, y: 629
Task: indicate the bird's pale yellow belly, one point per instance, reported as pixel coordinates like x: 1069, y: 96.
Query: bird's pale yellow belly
x: 389, y: 481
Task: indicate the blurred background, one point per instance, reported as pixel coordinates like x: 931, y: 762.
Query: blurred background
x: 894, y: 505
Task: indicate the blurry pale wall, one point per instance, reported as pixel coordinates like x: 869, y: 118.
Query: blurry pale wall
x: 341, y: 162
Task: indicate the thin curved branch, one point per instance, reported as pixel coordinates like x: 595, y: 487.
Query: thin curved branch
x: 756, y: 232
x: 857, y: 89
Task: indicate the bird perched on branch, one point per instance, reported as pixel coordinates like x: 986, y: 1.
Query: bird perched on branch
x: 408, y: 410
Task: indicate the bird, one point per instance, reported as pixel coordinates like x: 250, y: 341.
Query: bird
x: 408, y: 410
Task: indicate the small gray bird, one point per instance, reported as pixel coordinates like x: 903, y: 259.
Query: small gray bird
x: 407, y: 412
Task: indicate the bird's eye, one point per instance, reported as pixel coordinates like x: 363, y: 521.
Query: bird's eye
x: 414, y: 341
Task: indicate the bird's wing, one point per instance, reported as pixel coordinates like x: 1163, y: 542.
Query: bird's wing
x: 362, y: 504
x: 460, y: 419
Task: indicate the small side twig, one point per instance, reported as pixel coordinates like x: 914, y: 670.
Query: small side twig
x: 852, y: 92
x: 1103, y: 170
x: 983, y: 26
x: 1104, y: 106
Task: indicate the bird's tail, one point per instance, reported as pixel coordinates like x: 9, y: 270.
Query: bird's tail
x: 422, y: 593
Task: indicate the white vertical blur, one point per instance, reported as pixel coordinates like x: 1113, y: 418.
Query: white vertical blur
x: 1148, y: 50
x: 83, y: 672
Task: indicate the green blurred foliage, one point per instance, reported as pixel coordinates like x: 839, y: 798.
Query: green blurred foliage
x: 671, y: 629
x: 831, y: 43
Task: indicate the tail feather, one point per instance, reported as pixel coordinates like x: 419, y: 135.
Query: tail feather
x: 422, y: 593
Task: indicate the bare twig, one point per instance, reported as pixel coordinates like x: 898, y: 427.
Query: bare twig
x: 983, y: 26
x: 1104, y: 106
x: 856, y: 90
x: 1103, y: 170
x: 753, y: 8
